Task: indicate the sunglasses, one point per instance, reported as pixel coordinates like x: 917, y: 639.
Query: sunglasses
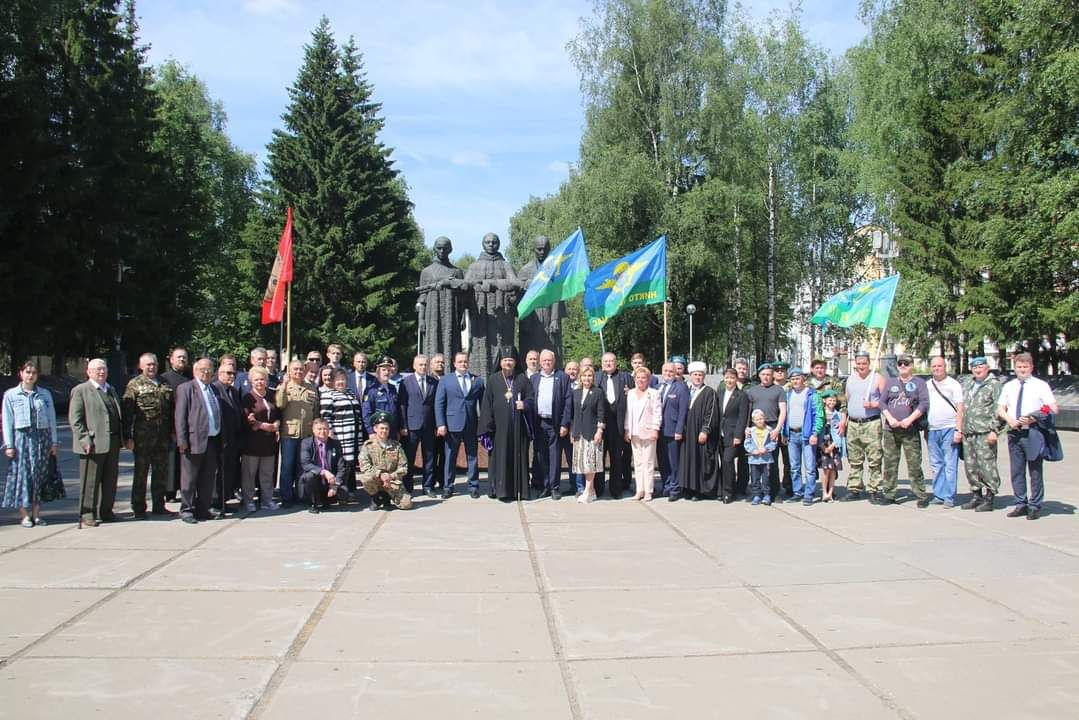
x: 903, y: 363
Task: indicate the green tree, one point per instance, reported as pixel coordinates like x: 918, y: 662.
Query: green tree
x: 357, y: 247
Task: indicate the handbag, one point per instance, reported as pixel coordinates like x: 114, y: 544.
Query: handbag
x: 952, y: 405
x: 53, y: 487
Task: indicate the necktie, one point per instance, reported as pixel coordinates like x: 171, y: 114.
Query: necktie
x: 423, y: 387
x: 463, y: 381
x: 322, y: 455
x: 1019, y: 401
x: 666, y: 388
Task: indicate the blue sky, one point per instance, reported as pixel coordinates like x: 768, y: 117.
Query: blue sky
x: 481, y: 101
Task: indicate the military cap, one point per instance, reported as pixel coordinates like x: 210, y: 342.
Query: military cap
x: 678, y: 359
x: 796, y: 371
x: 380, y: 417
x: 385, y: 361
x: 781, y: 365
x: 763, y: 366
x: 980, y: 360
x: 904, y: 358
x: 830, y: 392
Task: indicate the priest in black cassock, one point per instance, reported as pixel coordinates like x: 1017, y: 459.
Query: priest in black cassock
x: 698, y: 467
x: 507, y: 404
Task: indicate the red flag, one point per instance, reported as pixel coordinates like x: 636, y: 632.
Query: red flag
x: 273, y: 302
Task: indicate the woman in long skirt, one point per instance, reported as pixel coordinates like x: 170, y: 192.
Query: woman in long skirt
x: 29, y: 438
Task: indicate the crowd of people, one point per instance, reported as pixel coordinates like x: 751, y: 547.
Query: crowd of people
x: 320, y: 434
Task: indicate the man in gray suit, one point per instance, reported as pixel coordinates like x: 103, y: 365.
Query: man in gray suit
x: 97, y: 433
x: 198, y: 440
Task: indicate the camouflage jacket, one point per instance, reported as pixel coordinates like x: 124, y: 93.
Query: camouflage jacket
x: 980, y: 405
x: 148, y: 409
x: 829, y: 382
x: 375, y: 459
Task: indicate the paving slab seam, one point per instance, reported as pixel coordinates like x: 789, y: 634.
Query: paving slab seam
x: 552, y: 626
x: 28, y: 543
x: 15, y: 656
x: 932, y: 576
x: 885, y: 699
x: 285, y: 663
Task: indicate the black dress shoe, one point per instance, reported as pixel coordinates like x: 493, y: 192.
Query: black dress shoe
x: 314, y: 510
x: 492, y: 495
x: 475, y: 494
x: 674, y: 497
x: 429, y: 492
x: 447, y: 494
x: 885, y: 500
x: 556, y: 494
x: 110, y: 518
x: 140, y: 515
x: 1017, y: 511
x: 923, y: 502
x: 854, y: 495
x: 728, y: 499
x: 1033, y: 513
x: 546, y: 492
x: 189, y: 519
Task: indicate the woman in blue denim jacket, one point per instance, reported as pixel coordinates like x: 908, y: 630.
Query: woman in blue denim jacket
x: 29, y: 438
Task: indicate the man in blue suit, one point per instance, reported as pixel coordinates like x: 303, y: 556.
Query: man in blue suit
x: 417, y: 392
x: 674, y: 396
x: 457, y: 403
x: 554, y: 416
x: 359, y: 379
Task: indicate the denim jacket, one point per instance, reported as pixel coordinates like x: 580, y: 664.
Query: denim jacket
x: 751, y: 447
x: 838, y: 440
x: 813, y: 418
x: 17, y: 413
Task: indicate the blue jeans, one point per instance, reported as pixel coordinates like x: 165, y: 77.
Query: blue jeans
x: 803, y: 458
x: 290, y: 468
x: 943, y: 463
x: 758, y: 480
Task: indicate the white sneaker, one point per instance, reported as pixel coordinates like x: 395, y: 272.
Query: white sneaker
x: 582, y: 498
x: 27, y: 522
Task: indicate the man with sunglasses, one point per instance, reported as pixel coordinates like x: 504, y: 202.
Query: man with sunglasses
x: 228, y: 468
x: 906, y: 401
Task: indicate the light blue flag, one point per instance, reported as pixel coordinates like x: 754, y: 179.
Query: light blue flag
x: 868, y: 303
x: 560, y: 277
x: 639, y: 278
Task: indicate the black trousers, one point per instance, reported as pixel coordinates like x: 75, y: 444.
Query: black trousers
x: 728, y: 461
x: 197, y: 475
x: 741, y: 482
x: 618, y: 450
x: 228, y: 473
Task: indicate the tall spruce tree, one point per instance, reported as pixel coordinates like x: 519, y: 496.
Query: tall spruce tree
x: 357, y: 247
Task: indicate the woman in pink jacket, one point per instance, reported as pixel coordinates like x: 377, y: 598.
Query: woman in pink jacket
x: 644, y: 416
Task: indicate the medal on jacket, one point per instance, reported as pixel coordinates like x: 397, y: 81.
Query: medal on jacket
x: 509, y: 390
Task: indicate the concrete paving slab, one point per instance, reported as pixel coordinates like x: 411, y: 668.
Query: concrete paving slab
x: 604, y: 536
x: 606, y: 569
x: 304, y: 538
x: 434, y: 571
x: 431, y: 628
x: 388, y: 691
x: 724, y: 543
x: 15, y: 535
x: 1030, y: 681
x: 601, y: 511
x: 669, y: 623
x: 895, y: 524
x: 145, y: 535
x: 1052, y: 600
x: 990, y: 557
x: 242, y: 568
x: 905, y: 612
x: 791, y: 564
x: 783, y: 686
x: 34, y: 568
x: 179, y: 624
x: 29, y: 614
x: 431, y: 532
x: 65, y: 688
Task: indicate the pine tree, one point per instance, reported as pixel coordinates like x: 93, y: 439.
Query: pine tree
x: 357, y: 247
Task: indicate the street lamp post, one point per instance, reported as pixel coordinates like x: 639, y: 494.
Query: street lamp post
x: 690, y: 309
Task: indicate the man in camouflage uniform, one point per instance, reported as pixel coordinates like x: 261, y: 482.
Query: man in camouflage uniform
x: 820, y: 381
x: 148, y: 404
x: 981, y: 427
x: 383, y: 466
x: 861, y: 424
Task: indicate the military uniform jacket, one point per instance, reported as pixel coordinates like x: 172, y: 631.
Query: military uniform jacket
x: 376, y: 459
x: 828, y: 382
x: 148, y: 407
x: 980, y: 406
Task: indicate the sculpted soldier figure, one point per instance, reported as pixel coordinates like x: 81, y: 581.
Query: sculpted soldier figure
x: 383, y: 467
x: 495, y: 289
x: 542, y: 328
x: 148, y: 412
x: 442, y: 293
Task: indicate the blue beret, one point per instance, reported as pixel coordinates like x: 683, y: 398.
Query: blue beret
x: 980, y: 360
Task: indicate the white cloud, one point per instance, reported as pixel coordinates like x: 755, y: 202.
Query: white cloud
x: 559, y: 167
x: 271, y: 7
x: 471, y: 158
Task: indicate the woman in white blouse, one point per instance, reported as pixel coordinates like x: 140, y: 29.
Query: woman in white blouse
x: 644, y: 417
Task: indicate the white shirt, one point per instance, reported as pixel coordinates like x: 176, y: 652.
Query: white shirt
x: 213, y: 408
x: 463, y: 382
x: 1035, y: 394
x: 941, y: 415
x: 545, y: 396
x: 610, y: 389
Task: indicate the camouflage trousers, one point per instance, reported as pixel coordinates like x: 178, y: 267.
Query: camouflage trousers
x: 153, y: 459
x: 980, y: 461
x: 863, y: 448
x: 397, y: 493
x: 909, y: 442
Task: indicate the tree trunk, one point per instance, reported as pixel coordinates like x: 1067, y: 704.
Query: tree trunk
x: 773, y: 224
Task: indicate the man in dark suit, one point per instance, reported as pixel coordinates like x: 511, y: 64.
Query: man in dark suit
x: 324, y: 469
x: 417, y: 393
x: 457, y: 403
x: 97, y: 431
x: 178, y: 373
x: 359, y: 379
x: 674, y: 396
x: 198, y: 441
x: 553, y: 419
x: 228, y: 397
x: 733, y: 404
x: 614, y: 384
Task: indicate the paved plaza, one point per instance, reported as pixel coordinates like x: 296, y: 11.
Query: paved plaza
x: 549, y: 609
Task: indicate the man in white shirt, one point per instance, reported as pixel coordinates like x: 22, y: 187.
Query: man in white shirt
x: 1023, y: 402
x: 945, y: 436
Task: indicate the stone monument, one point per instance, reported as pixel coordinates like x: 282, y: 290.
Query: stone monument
x: 541, y: 329
x: 443, y: 294
x: 492, y: 306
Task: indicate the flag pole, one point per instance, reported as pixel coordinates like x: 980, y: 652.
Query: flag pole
x: 602, y: 347
x: 665, y: 355
x: 288, y: 324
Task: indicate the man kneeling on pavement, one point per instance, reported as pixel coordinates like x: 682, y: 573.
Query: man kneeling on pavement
x: 325, y: 470
x: 383, y: 467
